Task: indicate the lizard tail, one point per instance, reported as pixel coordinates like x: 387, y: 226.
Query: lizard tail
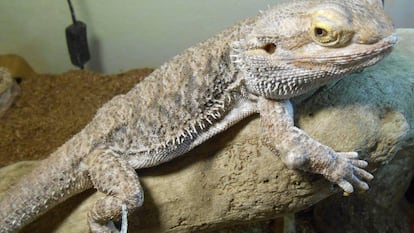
x: 54, y: 180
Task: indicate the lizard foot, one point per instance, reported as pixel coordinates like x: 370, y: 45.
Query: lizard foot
x: 347, y: 171
x: 114, y: 177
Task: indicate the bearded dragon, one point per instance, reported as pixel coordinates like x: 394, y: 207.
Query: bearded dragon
x: 253, y: 67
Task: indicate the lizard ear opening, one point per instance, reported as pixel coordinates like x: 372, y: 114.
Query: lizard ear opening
x: 270, y: 48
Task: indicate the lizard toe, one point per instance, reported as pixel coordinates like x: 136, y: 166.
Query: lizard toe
x: 349, y: 155
x: 346, y: 186
x: 361, y: 173
x: 361, y: 185
x: 359, y: 163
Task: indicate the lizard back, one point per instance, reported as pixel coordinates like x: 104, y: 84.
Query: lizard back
x: 161, y: 117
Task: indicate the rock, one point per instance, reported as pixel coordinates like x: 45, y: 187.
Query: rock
x: 385, y: 94
x: 383, y: 209
x: 11, y: 174
x: 17, y: 65
x: 8, y: 90
x: 233, y: 179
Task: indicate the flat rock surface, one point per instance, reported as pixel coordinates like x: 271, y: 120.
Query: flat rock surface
x: 8, y: 90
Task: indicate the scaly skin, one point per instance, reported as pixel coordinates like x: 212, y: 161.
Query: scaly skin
x: 252, y: 67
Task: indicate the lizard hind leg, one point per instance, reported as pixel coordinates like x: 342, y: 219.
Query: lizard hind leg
x: 113, y: 176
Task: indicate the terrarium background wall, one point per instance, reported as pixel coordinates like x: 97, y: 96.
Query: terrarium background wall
x: 128, y: 34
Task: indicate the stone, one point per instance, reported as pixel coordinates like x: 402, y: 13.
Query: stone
x: 9, y: 90
x: 385, y: 94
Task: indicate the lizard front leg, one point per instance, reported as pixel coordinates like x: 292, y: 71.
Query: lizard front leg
x: 113, y: 176
x: 300, y: 151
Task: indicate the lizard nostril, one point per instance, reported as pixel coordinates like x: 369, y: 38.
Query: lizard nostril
x: 270, y: 48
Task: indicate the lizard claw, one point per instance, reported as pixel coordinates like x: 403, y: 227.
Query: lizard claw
x: 348, y: 172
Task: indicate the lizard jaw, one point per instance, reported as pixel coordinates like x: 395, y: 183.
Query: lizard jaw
x: 282, y: 77
x: 277, y: 74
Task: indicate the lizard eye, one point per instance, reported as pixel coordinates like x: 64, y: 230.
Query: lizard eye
x: 331, y: 26
x: 325, y: 35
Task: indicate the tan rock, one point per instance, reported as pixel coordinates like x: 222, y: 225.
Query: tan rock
x: 8, y: 90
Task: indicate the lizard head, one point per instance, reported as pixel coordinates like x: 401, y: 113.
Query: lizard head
x: 301, y: 46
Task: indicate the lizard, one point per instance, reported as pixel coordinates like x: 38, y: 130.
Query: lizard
x: 254, y: 67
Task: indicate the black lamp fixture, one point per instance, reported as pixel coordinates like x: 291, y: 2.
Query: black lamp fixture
x: 76, y: 40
